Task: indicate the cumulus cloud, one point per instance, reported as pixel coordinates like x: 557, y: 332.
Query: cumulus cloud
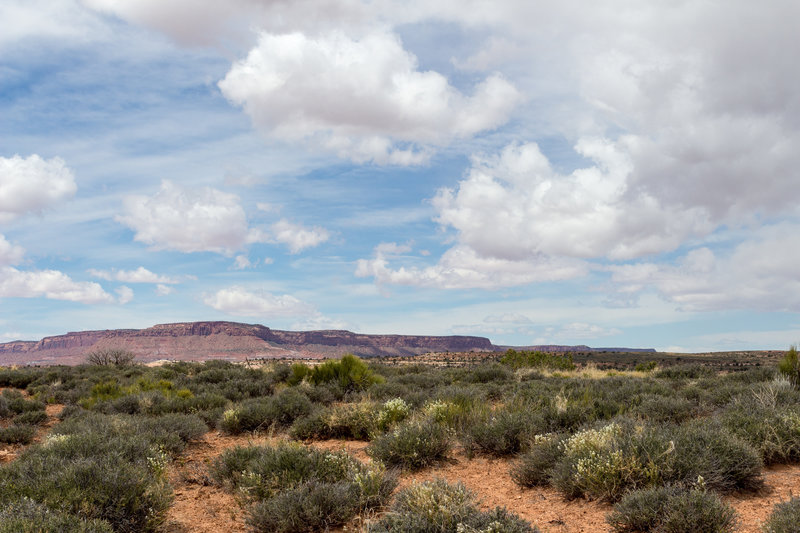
x: 188, y: 220
x: 298, y: 237
x: 32, y: 184
x: 164, y: 290
x: 462, y: 268
x: 514, y: 206
x: 365, y: 99
x: 50, y: 284
x: 239, y: 301
x: 139, y: 275
x: 10, y: 254
x: 125, y: 294
x: 758, y: 273
x: 203, y: 220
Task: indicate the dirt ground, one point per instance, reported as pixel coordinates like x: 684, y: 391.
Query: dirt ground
x: 201, y: 507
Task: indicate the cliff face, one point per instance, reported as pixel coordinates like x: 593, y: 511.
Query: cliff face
x: 228, y: 340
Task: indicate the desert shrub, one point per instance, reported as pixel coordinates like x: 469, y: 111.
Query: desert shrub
x: 658, y: 408
x: 774, y: 432
x: 503, y: 432
x: 310, y: 506
x: 535, y: 466
x: 649, y: 366
x: 595, y: 465
x: 19, y: 378
x: 490, y: 373
x: 169, y: 432
x: 26, y: 516
x: 32, y: 418
x: 295, y: 488
x: 440, y: 507
x: 790, y: 366
x: 690, y: 371
x: 17, y: 434
x: 413, y: 444
x: 110, y: 356
x: 311, y: 427
x: 784, y: 518
x: 354, y: 421
x: 261, y: 413
x: 5, y: 410
x: 297, y: 373
x: 536, y: 359
x: 18, y: 404
x: 121, y: 480
x: 349, y: 372
x: 672, y: 509
x: 724, y: 462
x: 392, y: 411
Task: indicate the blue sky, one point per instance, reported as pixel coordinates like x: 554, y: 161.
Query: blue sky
x: 623, y: 174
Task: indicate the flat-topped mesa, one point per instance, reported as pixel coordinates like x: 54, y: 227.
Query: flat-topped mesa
x: 228, y: 340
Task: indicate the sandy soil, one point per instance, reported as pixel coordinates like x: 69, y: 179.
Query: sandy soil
x: 201, y: 507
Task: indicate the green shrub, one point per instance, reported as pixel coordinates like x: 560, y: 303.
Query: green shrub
x: 672, y: 509
x: 27, y: 516
x: 535, y: 466
x: 5, y: 410
x: 784, y: 518
x: 32, y: 418
x: 312, y: 427
x: 309, y: 507
x: 17, y: 434
x: 261, y: 413
x: 646, y: 367
x: 298, y: 373
x: 773, y: 431
x: 414, y: 444
x: 121, y: 480
x: 536, y: 359
x: 724, y: 462
x: 349, y: 372
x: 392, y: 411
x: 595, y: 465
x: 440, y: 507
x: 690, y: 371
x: 790, y: 366
x: 503, y: 432
x: 294, y: 488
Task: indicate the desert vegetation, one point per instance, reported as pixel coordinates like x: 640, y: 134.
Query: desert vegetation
x: 663, y: 447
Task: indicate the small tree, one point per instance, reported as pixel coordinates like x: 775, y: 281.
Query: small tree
x: 110, y: 356
x: 790, y: 366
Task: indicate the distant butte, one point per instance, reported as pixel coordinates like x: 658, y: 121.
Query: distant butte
x: 197, y: 341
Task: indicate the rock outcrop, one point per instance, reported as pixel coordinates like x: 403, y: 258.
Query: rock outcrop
x: 228, y: 340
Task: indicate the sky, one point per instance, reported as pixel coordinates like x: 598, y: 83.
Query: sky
x: 619, y: 173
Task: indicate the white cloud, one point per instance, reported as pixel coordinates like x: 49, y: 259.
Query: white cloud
x: 320, y: 322
x: 10, y: 254
x: 461, y: 268
x: 759, y: 273
x: 164, y: 290
x: 64, y: 20
x: 508, y: 318
x: 139, y: 275
x: 515, y: 206
x: 32, y: 184
x: 50, y: 284
x: 188, y: 220
x: 579, y: 330
x: 363, y: 98
x: 241, y: 262
x: 298, y: 237
x: 239, y: 301
x: 125, y: 294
